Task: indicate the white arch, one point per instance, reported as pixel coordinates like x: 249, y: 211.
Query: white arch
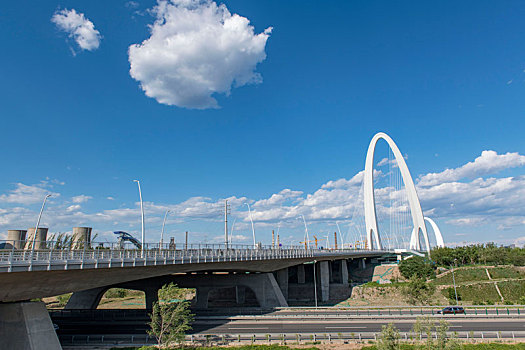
x: 369, y: 199
x: 437, y: 234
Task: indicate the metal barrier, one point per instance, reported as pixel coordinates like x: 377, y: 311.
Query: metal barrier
x: 299, y: 338
x: 12, y: 260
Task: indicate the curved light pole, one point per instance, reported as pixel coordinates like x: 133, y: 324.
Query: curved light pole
x: 341, y: 236
x: 142, y: 216
x: 307, y: 237
x: 38, y: 223
x: 253, y: 229
x: 231, y: 233
x: 162, y: 232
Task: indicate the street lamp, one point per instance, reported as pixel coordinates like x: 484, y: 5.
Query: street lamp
x: 142, y: 215
x: 231, y: 233
x: 38, y: 223
x: 454, y: 281
x: 162, y: 232
x: 341, y: 236
x: 253, y: 229
x: 307, y: 237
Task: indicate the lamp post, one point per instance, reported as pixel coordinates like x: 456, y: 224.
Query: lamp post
x: 162, y: 232
x: 38, y: 223
x: 307, y: 237
x: 253, y: 229
x: 231, y: 233
x: 315, y: 286
x: 454, y: 281
x: 341, y: 236
x: 142, y: 216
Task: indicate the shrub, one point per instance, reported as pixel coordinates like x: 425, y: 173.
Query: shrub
x: 416, y: 265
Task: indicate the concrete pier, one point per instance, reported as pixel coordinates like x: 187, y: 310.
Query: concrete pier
x: 300, y: 274
x: 27, y: 326
x: 324, y: 279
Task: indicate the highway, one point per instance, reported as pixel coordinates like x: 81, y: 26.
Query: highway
x: 135, y: 323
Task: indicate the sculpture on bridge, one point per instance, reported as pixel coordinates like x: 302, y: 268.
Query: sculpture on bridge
x: 126, y: 237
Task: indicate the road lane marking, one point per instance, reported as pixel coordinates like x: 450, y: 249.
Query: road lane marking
x: 254, y: 328
x: 345, y: 327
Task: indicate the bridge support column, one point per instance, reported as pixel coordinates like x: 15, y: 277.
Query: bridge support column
x: 202, y: 297
x: 324, y: 278
x: 300, y: 274
x: 27, y: 326
x: 267, y: 291
x: 363, y: 263
x: 282, y: 280
x: 344, y: 272
x: 86, y: 299
x: 151, y: 296
x: 240, y: 294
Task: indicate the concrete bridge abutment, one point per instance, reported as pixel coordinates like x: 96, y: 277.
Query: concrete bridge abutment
x: 27, y: 326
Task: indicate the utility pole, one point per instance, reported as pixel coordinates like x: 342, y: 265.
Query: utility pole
x: 186, y: 244
x: 278, y: 243
x: 273, y: 239
x: 335, y: 240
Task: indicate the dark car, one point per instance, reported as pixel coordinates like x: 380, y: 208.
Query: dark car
x: 454, y: 310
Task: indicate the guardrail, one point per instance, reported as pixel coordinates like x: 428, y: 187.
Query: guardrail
x: 12, y: 259
x: 300, y: 313
x: 282, y: 338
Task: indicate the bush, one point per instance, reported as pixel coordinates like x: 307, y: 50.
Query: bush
x: 63, y: 299
x: 388, y: 338
x: 416, y: 265
x: 116, y: 293
x: 418, y: 291
x: 451, y: 295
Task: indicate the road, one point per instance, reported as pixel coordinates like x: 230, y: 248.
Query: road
x: 310, y: 321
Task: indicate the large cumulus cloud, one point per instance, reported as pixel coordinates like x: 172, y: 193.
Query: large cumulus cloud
x: 196, y: 49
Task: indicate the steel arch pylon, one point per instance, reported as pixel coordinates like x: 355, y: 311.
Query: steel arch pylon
x: 369, y: 198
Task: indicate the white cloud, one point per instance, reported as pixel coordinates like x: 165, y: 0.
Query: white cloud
x: 26, y: 194
x: 498, y: 203
x: 81, y: 198
x: 196, y: 49
x: 489, y: 162
x: 71, y: 208
x: 78, y: 27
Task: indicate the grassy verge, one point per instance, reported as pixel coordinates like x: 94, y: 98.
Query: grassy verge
x: 486, y: 346
x: 506, y: 272
x: 512, y: 291
x: 463, y: 276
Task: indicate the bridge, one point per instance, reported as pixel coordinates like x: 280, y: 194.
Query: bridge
x: 268, y: 274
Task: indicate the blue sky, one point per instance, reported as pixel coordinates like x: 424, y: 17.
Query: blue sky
x: 446, y: 80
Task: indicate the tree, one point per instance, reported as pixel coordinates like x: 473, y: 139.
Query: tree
x: 418, y: 291
x: 425, y: 326
x: 417, y: 265
x: 388, y: 338
x: 170, y: 319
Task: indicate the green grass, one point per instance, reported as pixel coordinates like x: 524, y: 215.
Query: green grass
x: 512, y: 290
x: 486, y: 346
x: 477, y: 293
x: 244, y: 347
x: 506, y: 272
x: 462, y: 276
